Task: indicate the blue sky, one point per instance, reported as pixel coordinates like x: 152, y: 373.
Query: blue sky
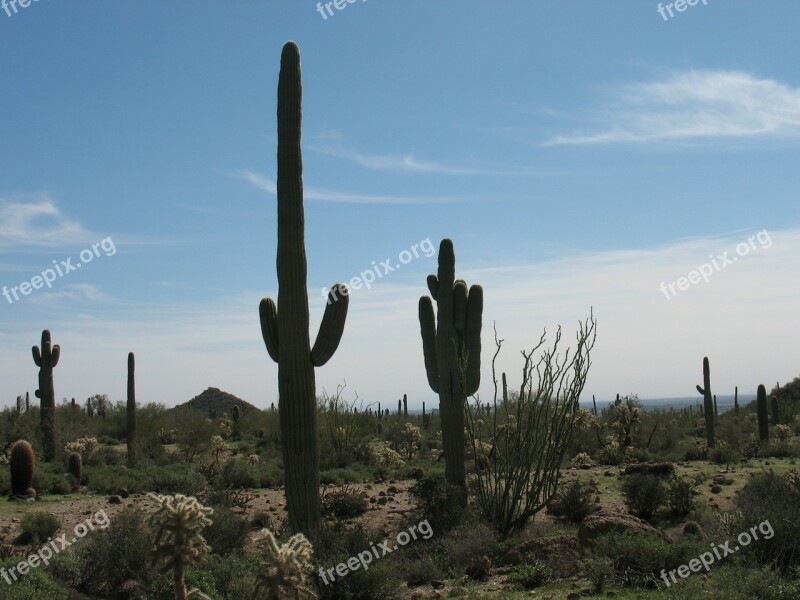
x: 579, y: 154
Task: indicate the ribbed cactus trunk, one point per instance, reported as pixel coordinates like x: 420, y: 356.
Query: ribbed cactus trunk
x: 451, y: 343
x: 776, y: 410
x: 736, y: 401
x: 46, y: 359
x: 131, y: 411
x: 285, y: 328
x: 405, y: 405
x: 708, y: 404
x: 763, y: 414
x: 22, y: 464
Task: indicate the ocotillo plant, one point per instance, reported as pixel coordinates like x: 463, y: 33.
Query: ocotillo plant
x: 46, y: 359
x: 776, y: 410
x: 75, y: 467
x: 763, y: 415
x: 451, y: 343
x: 285, y: 327
x: 131, y: 411
x: 736, y: 401
x: 22, y: 464
x: 708, y: 403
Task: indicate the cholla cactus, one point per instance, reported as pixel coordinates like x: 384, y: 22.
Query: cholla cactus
x: 782, y: 432
x: 384, y: 455
x: 83, y: 446
x: 180, y: 521
x: 218, y: 448
x: 285, y: 568
x: 411, y: 435
x: 253, y: 459
x: 582, y: 461
x: 225, y: 427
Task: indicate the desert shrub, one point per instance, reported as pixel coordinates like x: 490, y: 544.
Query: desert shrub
x: 104, y: 455
x: 697, y: 452
x: 36, y: 585
x: 692, y: 528
x: 644, y: 494
x: 639, y: 559
x: 723, y: 456
x: 108, y: 480
x: 461, y: 547
x: 38, y: 526
x: 334, y: 543
x: 574, y: 503
x: 234, y: 575
x: 783, y: 590
x: 530, y: 576
x: 679, y: 497
x: 778, y: 449
x: 227, y: 531
x: 173, y: 479
x: 422, y: 569
x: 47, y: 482
x: 775, y: 499
x: 599, y: 571
x: 238, y: 474
x: 163, y: 588
x: 5, y: 481
x: 344, y: 502
x: 339, y: 476
x: 442, y: 503
x: 117, y: 554
x: 68, y: 567
x: 261, y: 519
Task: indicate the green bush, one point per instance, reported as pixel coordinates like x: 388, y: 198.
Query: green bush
x: 117, y: 554
x: 679, y: 496
x: 68, y: 567
x: 463, y: 545
x: 774, y: 500
x: 163, y: 588
x: 238, y: 474
x: 644, y: 494
x: 227, y: 531
x: 35, y: 585
x: 723, y: 456
x: 344, y: 502
x: 39, y: 526
x: 599, y: 571
x: 530, y: 576
x: 442, y: 503
x: 574, y: 503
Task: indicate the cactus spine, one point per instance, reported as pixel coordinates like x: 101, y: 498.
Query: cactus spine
x: 46, y: 359
x: 708, y: 403
x: 22, y: 464
x: 763, y: 415
x: 451, y: 345
x: 285, y: 327
x: 131, y: 411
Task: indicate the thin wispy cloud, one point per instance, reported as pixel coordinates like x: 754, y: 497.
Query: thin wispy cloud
x: 408, y: 163
x: 37, y: 222
x: 694, y: 106
x: 322, y: 195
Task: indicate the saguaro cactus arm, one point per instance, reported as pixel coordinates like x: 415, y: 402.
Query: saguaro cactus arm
x: 332, y: 326
x: 48, y: 355
x: 269, y: 326
x: 427, y: 322
x: 472, y: 339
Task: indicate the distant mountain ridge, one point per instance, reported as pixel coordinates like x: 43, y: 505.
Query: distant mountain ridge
x: 215, y: 403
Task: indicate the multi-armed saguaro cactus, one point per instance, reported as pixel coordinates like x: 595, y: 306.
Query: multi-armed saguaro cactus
x: 22, y: 464
x: 708, y: 403
x: 285, y: 328
x: 131, y: 411
x: 46, y: 359
x: 763, y: 414
x: 179, y: 521
x: 452, y: 347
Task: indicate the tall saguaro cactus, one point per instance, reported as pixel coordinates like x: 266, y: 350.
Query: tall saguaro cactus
x: 775, y: 410
x: 46, y: 358
x: 131, y: 411
x: 763, y: 413
x: 708, y: 403
x: 452, y: 347
x: 285, y: 328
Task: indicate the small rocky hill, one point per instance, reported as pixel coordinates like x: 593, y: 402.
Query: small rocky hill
x: 215, y: 403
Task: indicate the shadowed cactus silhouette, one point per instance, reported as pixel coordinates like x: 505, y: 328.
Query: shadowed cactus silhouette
x: 131, y: 412
x: 75, y: 467
x: 179, y: 521
x: 763, y: 414
x: 285, y: 327
x: 22, y: 464
x: 46, y: 359
x: 285, y: 568
x: 708, y: 403
x: 775, y: 409
x: 451, y: 344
